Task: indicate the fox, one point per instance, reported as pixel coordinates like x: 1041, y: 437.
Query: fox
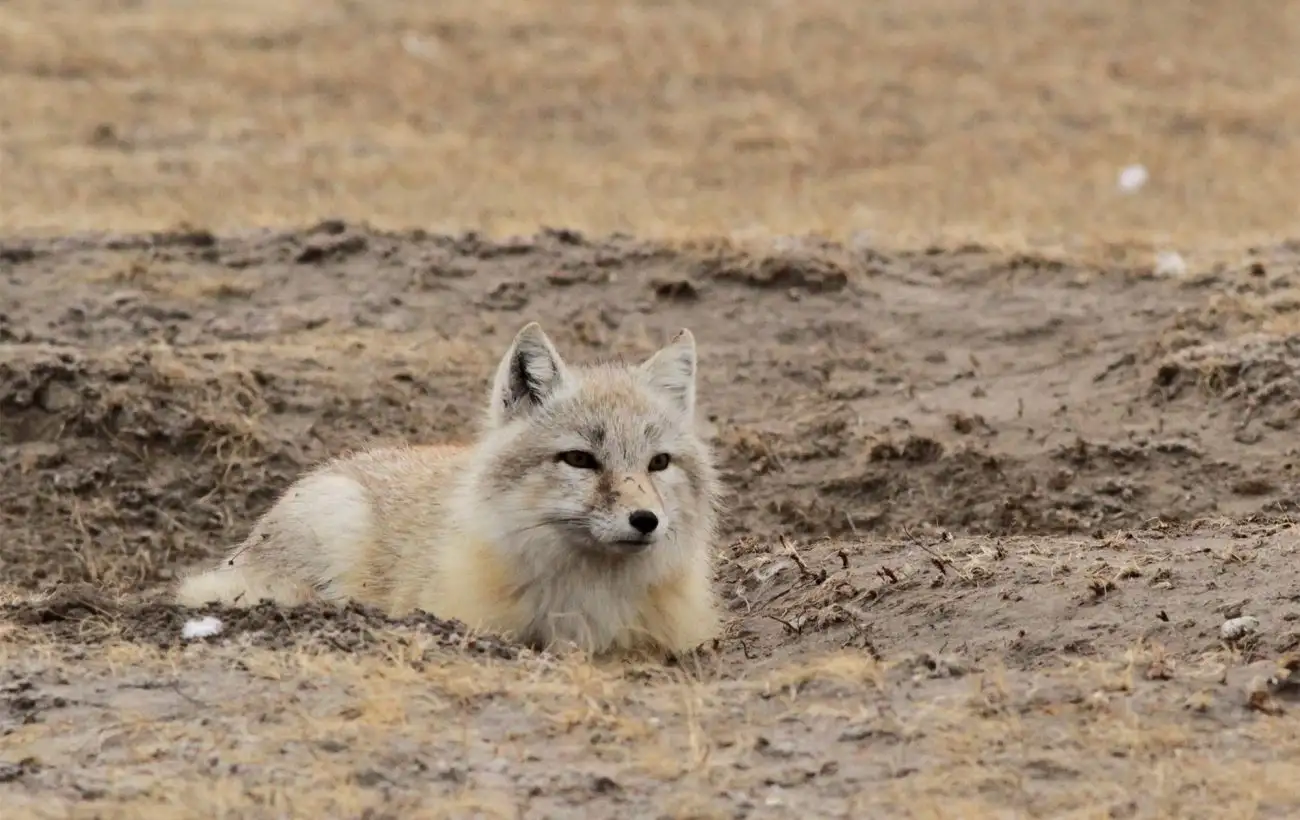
x: 583, y: 512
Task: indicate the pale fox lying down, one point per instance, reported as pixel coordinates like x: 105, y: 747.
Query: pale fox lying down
x: 584, y: 512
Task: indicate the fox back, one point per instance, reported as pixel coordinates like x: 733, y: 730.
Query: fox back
x: 584, y: 512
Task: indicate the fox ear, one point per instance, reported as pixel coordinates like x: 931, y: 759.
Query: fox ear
x: 528, y: 374
x: 672, y: 371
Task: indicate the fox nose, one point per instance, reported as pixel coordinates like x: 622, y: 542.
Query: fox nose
x: 643, y: 521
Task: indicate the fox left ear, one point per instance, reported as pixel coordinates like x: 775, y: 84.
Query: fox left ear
x: 529, y: 373
x: 672, y: 371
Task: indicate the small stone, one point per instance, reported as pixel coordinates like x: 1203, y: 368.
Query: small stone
x: 1132, y: 178
x: 204, y: 627
x: 1234, y: 629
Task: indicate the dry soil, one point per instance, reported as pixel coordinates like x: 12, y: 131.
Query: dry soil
x: 990, y: 502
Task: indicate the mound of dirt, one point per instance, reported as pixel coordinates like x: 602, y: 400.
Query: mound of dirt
x: 147, y: 421
x: 118, y: 465
x: 860, y: 483
x: 83, y: 613
x: 1256, y: 375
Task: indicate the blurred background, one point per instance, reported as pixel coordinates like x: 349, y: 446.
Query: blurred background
x: 894, y: 121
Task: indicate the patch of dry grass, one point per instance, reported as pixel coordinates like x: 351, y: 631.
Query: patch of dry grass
x: 1004, y: 124
x: 1136, y: 718
x: 233, y: 731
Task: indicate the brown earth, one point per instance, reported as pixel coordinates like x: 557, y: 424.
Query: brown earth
x: 986, y: 516
x: 995, y: 481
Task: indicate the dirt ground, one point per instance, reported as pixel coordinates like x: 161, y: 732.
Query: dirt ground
x: 986, y: 517
x: 996, y: 480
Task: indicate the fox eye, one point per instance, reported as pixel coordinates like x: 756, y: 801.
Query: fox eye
x: 579, y: 460
x: 660, y: 462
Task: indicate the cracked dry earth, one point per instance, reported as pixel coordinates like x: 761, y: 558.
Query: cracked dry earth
x: 987, y: 516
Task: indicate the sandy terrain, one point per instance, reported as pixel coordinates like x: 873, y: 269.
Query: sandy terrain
x: 996, y: 480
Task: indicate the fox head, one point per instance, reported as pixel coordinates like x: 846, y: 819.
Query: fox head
x: 598, y: 460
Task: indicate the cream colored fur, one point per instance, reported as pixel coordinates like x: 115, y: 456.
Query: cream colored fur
x: 507, y: 534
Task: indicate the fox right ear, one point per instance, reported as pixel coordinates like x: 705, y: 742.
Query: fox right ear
x: 528, y: 374
x: 672, y: 370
